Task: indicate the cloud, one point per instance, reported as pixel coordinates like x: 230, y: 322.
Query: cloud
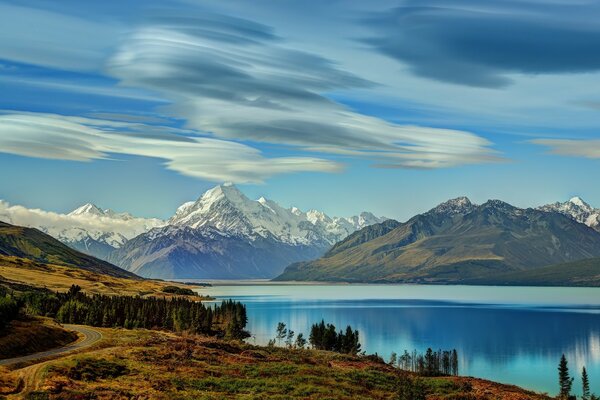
x: 237, y: 80
x: 83, y: 139
x: 571, y: 147
x: 61, y: 225
x: 49, y: 38
x: 476, y: 43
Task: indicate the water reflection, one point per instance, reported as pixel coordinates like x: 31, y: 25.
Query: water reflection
x: 513, y: 343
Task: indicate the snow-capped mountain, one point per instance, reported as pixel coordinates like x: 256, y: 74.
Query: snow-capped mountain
x: 577, y: 209
x: 88, y: 228
x: 227, y: 210
x: 224, y: 234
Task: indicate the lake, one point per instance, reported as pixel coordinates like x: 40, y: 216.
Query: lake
x: 507, y: 334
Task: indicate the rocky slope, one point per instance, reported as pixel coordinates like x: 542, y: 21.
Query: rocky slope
x: 577, y: 209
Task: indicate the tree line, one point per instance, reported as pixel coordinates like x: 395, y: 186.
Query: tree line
x: 430, y: 363
x: 227, y: 319
x: 322, y: 337
x: 565, y: 383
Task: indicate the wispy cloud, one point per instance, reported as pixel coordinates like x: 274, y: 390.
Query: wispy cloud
x: 571, y: 147
x: 83, y: 139
x: 478, y: 43
x: 237, y: 80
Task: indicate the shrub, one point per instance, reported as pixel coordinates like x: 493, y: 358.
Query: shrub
x: 179, y: 291
x: 89, y: 369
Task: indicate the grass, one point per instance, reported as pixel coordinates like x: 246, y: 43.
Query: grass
x: 166, y: 366
x: 60, y: 278
x: 32, y: 335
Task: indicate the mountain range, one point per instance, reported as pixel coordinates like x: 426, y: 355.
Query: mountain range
x: 223, y: 234
x: 459, y: 241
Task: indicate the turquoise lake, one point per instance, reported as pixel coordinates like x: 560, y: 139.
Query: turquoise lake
x: 512, y: 335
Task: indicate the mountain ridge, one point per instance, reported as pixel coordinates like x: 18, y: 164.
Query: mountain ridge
x: 35, y: 245
x: 453, y: 241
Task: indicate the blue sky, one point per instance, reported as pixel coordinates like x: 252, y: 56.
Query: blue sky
x: 342, y: 106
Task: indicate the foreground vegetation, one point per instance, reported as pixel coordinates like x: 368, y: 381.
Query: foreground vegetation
x: 159, y: 365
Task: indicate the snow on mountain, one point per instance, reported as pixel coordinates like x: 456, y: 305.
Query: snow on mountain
x: 224, y: 235
x: 227, y: 210
x: 577, y: 209
x: 459, y: 205
x: 88, y: 228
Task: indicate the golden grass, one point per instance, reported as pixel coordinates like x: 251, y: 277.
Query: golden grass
x: 31, y: 336
x: 166, y: 366
x: 60, y: 278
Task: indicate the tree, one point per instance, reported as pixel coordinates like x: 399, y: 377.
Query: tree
x: 585, y: 383
x: 300, y: 341
x: 564, y: 380
x: 289, y: 341
x: 454, y: 362
x: 281, y: 332
x: 393, y: 359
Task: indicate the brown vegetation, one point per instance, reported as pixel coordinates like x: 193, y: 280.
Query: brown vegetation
x: 31, y: 336
x: 157, y: 365
x: 60, y: 278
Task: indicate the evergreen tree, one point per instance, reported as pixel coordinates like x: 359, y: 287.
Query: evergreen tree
x: 585, y: 383
x: 564, y: 380
x: 300, y: 341
x: 393, y: 359
x: 289, y: 340
x: 281, y: 332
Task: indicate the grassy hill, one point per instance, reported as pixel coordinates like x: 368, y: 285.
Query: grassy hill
x: 35, y: 245
x: 15, y: 271
x: 160, y: 365
x: 452, y: 245
x: 577, y: 273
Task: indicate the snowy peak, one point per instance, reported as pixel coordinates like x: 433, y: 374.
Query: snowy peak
x: 87, y: 209
x: 578, y: 202
x: 577, y: 209
x: 459, y: 205
x: 227, y: 210
x: 90, y: 209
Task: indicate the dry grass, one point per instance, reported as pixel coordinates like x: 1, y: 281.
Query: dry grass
x: 155, y: 365
x: 60, y: 278
x: 31, y: 336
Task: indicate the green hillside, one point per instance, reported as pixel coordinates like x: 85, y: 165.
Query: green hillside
x: 32, y: 244
x: 577, y: 273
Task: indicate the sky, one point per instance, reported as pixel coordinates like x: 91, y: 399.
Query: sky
x: 342, y: 106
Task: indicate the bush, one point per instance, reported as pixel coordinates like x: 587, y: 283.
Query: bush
x: 179, y: 291
x: 9, y: 309
x: 89, y: 369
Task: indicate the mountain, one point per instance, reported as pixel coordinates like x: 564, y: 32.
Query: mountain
x: 456, y: 240
x: 577, y: 209
x: 225, y: 235
x: 35, y: 245
x: 88, y: 228
x: 576, y: 273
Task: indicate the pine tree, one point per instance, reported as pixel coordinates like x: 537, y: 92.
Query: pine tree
x: 393, y: 359
x: 281, y: 332
x: 585, y: 394
x: 300, y: 341
x: 564, y: 380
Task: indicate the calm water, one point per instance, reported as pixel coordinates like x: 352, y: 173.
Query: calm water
x: 508, y: 334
